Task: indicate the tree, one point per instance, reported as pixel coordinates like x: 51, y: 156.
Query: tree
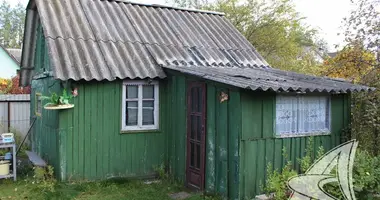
x: 353, y: 63
x: 195, y: 4
x: 5, y: 22
x: 363, y: 25
x: 273, y: 27
x: 18, y: 19
x: 4, y: 85
x: 11, y: 86
x: 11, y: 25
x: 359, y: 62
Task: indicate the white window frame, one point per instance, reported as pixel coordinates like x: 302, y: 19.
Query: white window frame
x: 300, y: 134
x: 140, y: 126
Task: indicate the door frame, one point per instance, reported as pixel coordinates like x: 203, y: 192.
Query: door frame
x: 190, y: 85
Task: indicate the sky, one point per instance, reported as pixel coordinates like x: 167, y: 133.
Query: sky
x: 324, y: 15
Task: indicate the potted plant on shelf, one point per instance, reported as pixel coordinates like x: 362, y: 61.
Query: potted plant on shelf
x: 58, y: 102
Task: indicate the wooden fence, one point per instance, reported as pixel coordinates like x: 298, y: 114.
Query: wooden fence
x: 15, y: 113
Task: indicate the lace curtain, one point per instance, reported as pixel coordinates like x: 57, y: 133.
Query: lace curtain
x: 302, y: 114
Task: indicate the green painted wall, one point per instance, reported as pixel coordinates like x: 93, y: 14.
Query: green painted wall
x: 90, y: 141
x: 259, y: 147
x: 45, y: 130
x: 41, y: 60
x: 44, y: 134
x: 176, y: 123
x: 222, y: 141
x: 222, y: 136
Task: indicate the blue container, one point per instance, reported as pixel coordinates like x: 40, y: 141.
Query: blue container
x: 8, y: 156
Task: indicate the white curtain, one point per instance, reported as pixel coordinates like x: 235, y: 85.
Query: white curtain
x: 302, y: 114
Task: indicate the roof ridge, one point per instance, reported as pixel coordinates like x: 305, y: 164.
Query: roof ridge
x: 169, y: 7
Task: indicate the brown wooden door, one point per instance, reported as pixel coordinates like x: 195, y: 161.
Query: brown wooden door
x: 196, y: 126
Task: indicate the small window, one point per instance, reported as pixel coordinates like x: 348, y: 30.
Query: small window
x: 140, y: 105
x: 38, y: 104
x: 302, y: 115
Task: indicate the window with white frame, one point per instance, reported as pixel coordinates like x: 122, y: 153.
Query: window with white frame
x: 302, y: 114
x: 140, y: 105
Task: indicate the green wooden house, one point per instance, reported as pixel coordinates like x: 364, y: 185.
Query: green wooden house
x: 173, y: 87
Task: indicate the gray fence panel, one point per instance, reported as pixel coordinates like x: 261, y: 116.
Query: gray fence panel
x: 14, y: 113
x: 3, y: 117
x: 20, y: 114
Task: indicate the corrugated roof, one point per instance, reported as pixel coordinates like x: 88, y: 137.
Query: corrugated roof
x: 97, y: 39
x: 271, y: 80
x: 94, y: 40
x: 16, y: 53
x: 108, y: 39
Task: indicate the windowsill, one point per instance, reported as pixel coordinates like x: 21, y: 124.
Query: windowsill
x: 303, y: 135
x: 140, y: 131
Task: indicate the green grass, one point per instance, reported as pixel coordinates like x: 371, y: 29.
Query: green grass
x: 104, y: 190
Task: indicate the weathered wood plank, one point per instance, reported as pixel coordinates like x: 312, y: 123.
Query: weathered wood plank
x: 210, y: 139
x: 234, y: 134
x: 222, y: 145
x: 36, y: 159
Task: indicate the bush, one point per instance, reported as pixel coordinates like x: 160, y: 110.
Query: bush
x: 276, y: 182
x: 366, y: 175
x: 44, y: 179
x: 365, y: 115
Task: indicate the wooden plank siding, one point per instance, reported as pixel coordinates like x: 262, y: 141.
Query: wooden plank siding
x: 91, y: 141
x: 45, y: 130
x: 176, y: 136
x: 259, y: 146
x: 92, y: 146
x: 222, y: 135
x: 86, y: 142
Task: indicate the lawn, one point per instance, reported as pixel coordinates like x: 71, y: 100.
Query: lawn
x: 104, y: 190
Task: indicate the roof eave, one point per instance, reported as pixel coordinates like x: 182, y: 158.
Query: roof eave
x: 248, y: 84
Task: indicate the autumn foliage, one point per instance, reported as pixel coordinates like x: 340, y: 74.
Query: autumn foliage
x: 11, y: 86
x: 356, y: 64
x: 353, y: 63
